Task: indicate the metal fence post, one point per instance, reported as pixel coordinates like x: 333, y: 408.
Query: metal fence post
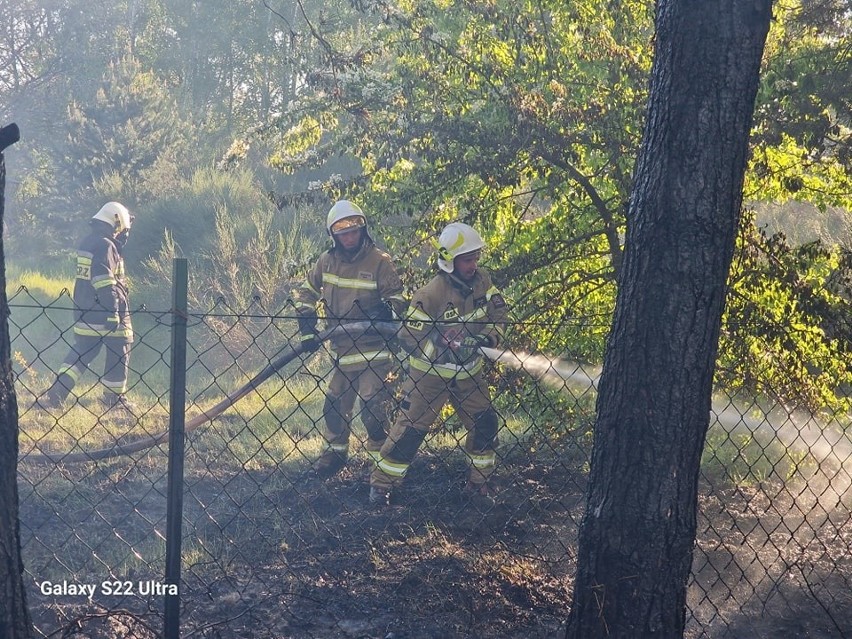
x: 177, y: 410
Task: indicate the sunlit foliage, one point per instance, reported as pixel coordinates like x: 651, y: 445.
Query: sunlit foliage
x: 524, y: 119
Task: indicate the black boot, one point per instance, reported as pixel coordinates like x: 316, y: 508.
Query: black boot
x: 118, y: 403
x: 47, y: 402
x: 53, y: 398
x: 329, y: 464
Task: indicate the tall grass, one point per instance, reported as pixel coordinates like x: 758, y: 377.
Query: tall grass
x: 44, y: 287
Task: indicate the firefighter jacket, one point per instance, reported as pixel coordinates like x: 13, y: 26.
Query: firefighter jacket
x: 351, y: 289
x: 444, y: 312
x: 101, y: 306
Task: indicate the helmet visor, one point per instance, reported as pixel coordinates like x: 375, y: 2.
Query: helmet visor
x: 348, y: 224
x: 474, y: 255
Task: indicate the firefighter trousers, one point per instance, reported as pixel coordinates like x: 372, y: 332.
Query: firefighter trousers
x: 371, y: 383
x: 423, y: 398
x: 82, y: 354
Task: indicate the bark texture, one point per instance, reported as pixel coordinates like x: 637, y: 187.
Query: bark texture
x: 14, y: 617
x: 637, y: 536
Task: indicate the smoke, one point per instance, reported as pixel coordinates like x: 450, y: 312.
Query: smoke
x: 800, y: 433
x: 825, y: 440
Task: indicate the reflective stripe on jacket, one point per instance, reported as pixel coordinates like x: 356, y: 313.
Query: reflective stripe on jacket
x: 349, y: 290
x: 447, y: 310
x: 100, y: 289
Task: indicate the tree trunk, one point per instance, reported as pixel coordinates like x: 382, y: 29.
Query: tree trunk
x: 14, y: 618
x: 637, y: 536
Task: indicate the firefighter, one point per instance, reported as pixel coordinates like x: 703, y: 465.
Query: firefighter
x: 353, y: 281
x: 101, y: 310
x: 448, y: 320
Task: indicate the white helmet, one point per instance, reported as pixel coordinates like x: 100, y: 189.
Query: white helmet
x: 116, y: 215
x: 343, y: 216
x: 457, y: 239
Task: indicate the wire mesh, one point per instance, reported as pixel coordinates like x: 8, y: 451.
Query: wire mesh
x: 270, y: 549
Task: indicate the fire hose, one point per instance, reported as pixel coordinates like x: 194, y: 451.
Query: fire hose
x: 545, y: 369
x: 121, y: 449
x: 555, y: 372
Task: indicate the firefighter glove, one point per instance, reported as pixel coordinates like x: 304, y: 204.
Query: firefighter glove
x: 381, y: 312
x: 310, y: 342
x: 308, y: 330
x: 469, y: 346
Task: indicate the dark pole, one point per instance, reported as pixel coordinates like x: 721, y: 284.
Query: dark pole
x: 177, y: 418
x: 15, y: 621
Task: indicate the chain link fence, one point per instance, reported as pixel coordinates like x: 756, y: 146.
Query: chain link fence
x: 270, y: 550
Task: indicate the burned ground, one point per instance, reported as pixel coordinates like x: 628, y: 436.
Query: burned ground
x: 286, y: 555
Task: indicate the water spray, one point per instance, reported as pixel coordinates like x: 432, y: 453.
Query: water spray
x: 825, y: 441
x: 552, y: 371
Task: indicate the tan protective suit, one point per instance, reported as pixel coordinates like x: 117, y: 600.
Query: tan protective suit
x: 350, y: 289
x: 441, y: 314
